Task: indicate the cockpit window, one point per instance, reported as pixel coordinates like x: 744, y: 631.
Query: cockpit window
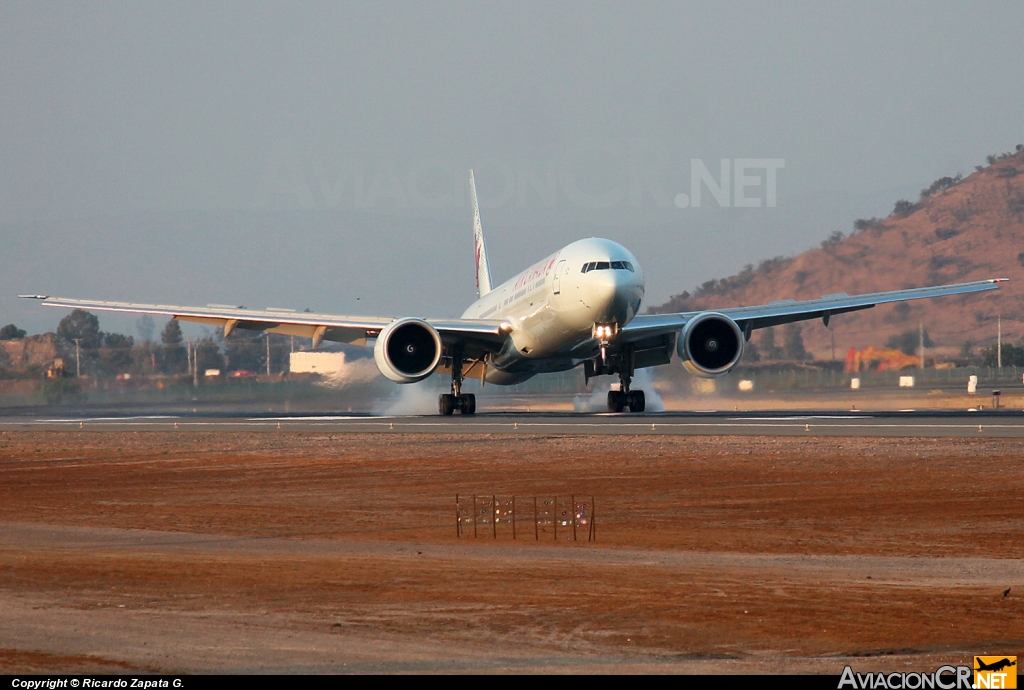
x: 607, y: 265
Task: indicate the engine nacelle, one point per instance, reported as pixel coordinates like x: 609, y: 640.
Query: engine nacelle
x: 710, y: 345
x: 407, y: 350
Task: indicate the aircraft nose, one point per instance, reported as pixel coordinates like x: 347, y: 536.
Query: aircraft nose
x: 610, y: 293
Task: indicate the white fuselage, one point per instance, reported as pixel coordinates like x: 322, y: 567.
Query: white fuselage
x: 553, y: 305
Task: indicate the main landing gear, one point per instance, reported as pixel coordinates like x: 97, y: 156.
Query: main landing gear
x: 465, y: 403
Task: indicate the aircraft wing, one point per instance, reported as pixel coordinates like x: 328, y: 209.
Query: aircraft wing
x: 487, y: 336
x: 646, y: 326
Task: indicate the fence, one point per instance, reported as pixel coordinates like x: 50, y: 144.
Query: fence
x: 820, y: 379
x: 566, y: 517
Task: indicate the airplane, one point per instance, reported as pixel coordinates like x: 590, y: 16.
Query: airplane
x: 994, y: 666
x: 577, y: 307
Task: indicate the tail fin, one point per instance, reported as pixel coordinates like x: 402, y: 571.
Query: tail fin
x: 483, y: 271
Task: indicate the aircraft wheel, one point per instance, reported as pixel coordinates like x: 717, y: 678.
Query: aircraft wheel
x: 636, y: 400
x: 446, y: 403
x: 468, y: 403
x: 616, y: 401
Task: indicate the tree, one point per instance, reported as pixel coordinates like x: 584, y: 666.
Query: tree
x: 794, y: 347
x: 1013, y: 356
x: 208, y: 355
x: 751, y: 353
x: 144, y: 358
x: 768, y: 348
x: 246, y: 351
x: 908, y: 342
x: 171, y: 334
x: 83, y: 326
x: 11, y: 332
x: 145, y: 327
x: 115, y: 356
x: 172, y: 358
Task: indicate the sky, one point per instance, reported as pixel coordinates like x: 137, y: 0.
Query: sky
x: 317, y: 154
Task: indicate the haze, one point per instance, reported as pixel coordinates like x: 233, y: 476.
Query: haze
x: 316, y: 155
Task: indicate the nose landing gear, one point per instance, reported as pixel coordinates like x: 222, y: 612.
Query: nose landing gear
x: 621, y: 364
x: 619, y: 400
x: 447, y: 403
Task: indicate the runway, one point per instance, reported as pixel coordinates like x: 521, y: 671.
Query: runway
x: 907, y: 423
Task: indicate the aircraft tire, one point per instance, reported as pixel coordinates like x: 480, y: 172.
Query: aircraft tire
x: 616, y: 401
x: 446, y: 404
x: 468, y: 403
x: 637, y: 401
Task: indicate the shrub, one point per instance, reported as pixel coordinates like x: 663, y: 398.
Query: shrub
x: 706, y: 288
x: 866, y: 223
x: 904, y: 208
x: 833, y: 239
x: 769, y: 265
x: 60, y: 391
x: 939, y: 262
x: 939, y: 185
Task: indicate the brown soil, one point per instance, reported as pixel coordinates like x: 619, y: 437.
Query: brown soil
x: 322, y: 552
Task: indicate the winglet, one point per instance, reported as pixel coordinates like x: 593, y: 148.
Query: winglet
x: 34, y: 296
x: 999, y: 280
x: 483, y: 271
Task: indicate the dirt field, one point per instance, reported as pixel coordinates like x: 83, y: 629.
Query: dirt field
x: 284, y: 552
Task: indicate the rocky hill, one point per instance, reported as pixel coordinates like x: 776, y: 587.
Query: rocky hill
x: 959, y: 230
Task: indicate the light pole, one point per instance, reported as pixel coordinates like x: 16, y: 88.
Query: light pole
x: 268, y: 353
x: 999, y: 342
x: 920, y: 341
x: 78, y: 357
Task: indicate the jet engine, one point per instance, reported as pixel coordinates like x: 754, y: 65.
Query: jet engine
x: 407, y: 350
x: 710, y: 345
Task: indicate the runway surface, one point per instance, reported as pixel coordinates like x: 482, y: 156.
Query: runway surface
x: 907, y: 423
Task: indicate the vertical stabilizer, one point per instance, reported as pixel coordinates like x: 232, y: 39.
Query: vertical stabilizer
x: 483, y: 270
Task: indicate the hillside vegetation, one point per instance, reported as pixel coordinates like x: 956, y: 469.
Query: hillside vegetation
x: 960, y: 229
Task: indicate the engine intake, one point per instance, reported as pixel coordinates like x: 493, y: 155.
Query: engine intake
x: 407, y: 350
x: 710, y: 345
